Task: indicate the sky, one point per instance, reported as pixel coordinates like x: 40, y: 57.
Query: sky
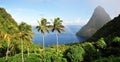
x: 72, y: 12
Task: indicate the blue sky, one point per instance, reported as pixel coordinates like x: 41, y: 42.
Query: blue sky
x: 72, y: 12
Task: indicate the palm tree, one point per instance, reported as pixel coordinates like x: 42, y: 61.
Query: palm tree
x: 8, y: 37
x: 26, y: 35
x: 58, y: 27
x: 43, y: 27
x: 21, y: 34
x: 29, y: 44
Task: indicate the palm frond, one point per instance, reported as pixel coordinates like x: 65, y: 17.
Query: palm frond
x: 63, y: 30
x: 47, y: 22
x: 60, y: 21
x: 47, y: 30
x: 58, y: 31
x: 42, y: 31
x: 38, y: 22
x: 53, y: 30
x: 62, y: 26
x: 37, y: 27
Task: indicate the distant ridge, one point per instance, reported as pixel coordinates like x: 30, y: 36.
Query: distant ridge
x: 98, y: 19
x: 108, y: 31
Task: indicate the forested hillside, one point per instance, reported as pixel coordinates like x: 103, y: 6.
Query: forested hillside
x: 108, y: 31
x: 7, y: 23
x: 11, y: 34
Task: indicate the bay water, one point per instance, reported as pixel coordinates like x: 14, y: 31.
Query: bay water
x: 69, y: 36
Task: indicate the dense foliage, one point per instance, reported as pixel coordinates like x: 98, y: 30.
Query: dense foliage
x: 74, y: 54
x: 8, y: 28
x: 11, y: 35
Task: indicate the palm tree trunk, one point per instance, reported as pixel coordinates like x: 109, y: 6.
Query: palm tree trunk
x: 22, y: 50
x: 43, y: 41
x: 7, y: 53
x: 57, y: 41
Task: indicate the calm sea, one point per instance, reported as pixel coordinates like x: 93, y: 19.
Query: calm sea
x: 64, y: 38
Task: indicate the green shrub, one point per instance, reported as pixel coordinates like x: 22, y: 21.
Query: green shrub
x: 116, y: 39
x: 90, y: 52
x: 101, y: 43
x: 74, y: 54
x: 116, y: 42
x: 52, y: 56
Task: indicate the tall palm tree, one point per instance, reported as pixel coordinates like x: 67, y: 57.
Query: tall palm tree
x: 8, y: 37
x: 25, y: 34
x: 58, y: 27
x: 21, y: 35
x: 43, y: 27
x: 28, y: 37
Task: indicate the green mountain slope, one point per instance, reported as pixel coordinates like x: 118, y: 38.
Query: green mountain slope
x: 7, y: 23
x: 108, y: 31
x: 11, y: 35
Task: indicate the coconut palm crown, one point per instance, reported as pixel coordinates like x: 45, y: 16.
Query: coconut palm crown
x: 57, y: 25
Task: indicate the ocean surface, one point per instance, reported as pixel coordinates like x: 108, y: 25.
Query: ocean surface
x: 69, y: 36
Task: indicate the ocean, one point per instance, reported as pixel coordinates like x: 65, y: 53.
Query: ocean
x: 69, y: 36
